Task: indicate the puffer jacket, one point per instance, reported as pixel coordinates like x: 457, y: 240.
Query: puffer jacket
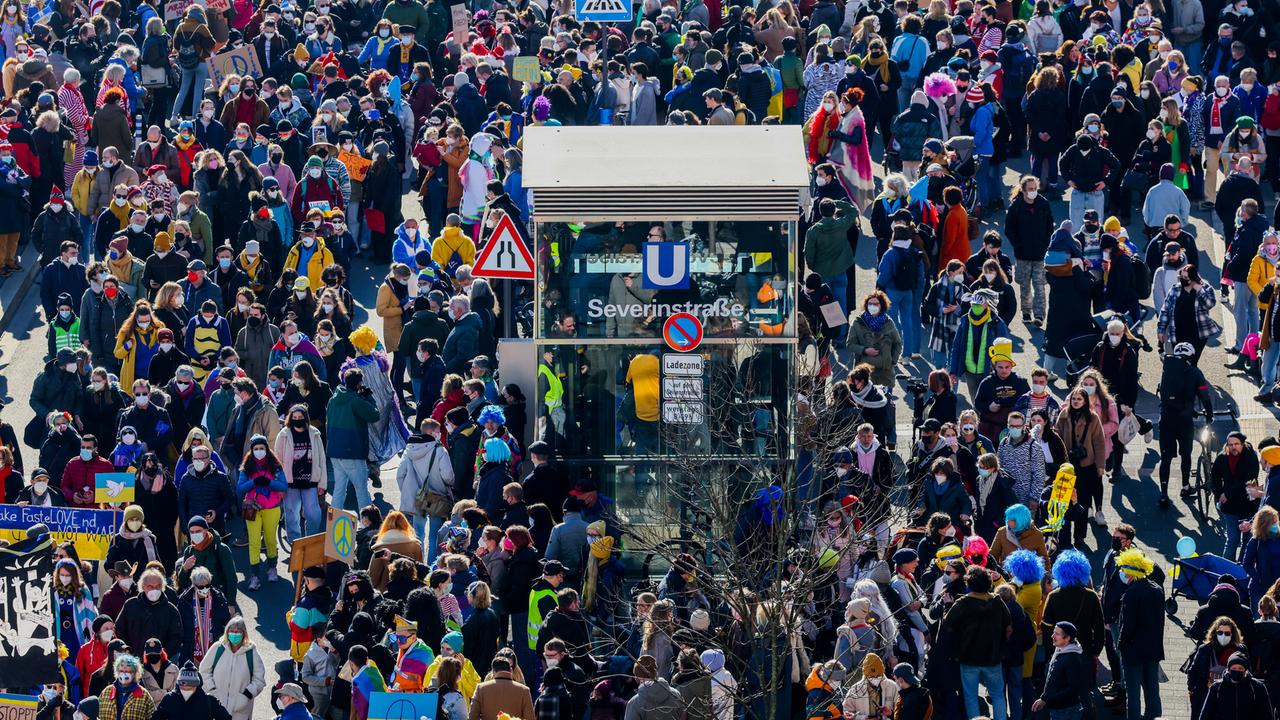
x: 229, y: 674
x: 56, y: 389
x: 911, y: 128
x: 424, y: 461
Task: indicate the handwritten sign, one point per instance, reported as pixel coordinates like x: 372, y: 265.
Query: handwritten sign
x: 357, y: 167
x: 241, y: 61
x: 177, y: 9
x: 90, y: 530
x: 460, y: 24
x: 17, y: 707
x: 114, y: 487
x: 219, y: 5
x: 526, y: 69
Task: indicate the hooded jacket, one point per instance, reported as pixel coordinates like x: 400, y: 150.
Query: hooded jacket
x: 655, y: 700
x: 1065, y: 683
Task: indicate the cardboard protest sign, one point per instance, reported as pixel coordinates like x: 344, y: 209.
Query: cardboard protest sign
x: 242, y: 61
x: 357, y: 167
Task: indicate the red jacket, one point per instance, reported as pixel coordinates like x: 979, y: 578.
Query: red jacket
x: 1270, y: 119
x: 81, y: 476
x: 88, y: 660
x: 323, y: 189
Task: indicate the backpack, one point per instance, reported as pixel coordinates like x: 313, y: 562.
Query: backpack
x: 1018, y: 69
x: 222, y: 648
x: 1047, y: 41
x: 188, y: 55
x: 1141, y: 278
x: 905, y: 273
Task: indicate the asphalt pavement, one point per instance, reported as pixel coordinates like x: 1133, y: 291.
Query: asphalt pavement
x: 23, y: 346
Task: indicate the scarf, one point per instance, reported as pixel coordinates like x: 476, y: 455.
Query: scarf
x: 182, y: 144
x: 823, y: 122
x: 862, y: 397
x: 875, y: 322
x: 122, y: 267
x: 1175, y: 151
x: 882, y: 65
x: 147, y: 538
x: 973, y: 361
x: 598, y: 553
x: 250, y: 267
x: 984, y: 487
x: 208, y: 534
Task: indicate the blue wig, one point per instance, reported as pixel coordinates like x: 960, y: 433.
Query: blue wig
x: 1025, y: 566
x: 496, y: 450
x: 1020, y: 515
x: 494, y: 413
x: 1072, y: 569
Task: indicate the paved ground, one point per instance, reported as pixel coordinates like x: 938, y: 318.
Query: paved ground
x: 23, y: 345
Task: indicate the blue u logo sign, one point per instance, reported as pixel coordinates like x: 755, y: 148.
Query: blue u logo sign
x: 666, y: 265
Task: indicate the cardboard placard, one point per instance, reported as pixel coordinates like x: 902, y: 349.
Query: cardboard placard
x: 357, y: 166
x: 18, y: 707
x: 319, y: 134
x: 461, y: 24
x: 340, y: 536
x: 306, y: 552
x: 402, y: 706
x: 219, y: 5
x: 117, y: 487
x: 176, y: 9
x: 525, y: 69
x: 242, y: 61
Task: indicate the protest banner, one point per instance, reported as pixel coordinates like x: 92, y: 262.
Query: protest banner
x: 91, y: 530
x: 402, y: 706
x: 17, y: 707
x: 176, y: 9
x: 219, y: 5
x: 526, y: 69
x: 242, y: 61
x: 28, y: 657
x: 461, y: 26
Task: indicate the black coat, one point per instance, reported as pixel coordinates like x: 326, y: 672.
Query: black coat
x: 1068, y: 314
x: 1244, y: 700
x: 1119, y: 367
x: 141, y: 620
x: 219, y: 616
x: 1232, y: 483
x: 1223, y: 602
x: 481, y: 637
x: 1119, y: 291
x: 1066, y: 681
x: 1125, y: 130
x: 201, y: 706
x: 1141, y: 632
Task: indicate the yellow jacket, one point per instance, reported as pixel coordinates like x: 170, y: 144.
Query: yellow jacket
x: 320, y: 259
x: 450, y: 241
x: 466, y: 684
x: 1031, y: 598
x: 128, y: 356
x: 80, y: 187
x: 1260, y: 273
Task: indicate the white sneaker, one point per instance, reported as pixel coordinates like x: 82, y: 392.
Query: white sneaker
x: 1099, y: 519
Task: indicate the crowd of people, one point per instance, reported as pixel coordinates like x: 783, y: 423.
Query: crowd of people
x: 196, y: 235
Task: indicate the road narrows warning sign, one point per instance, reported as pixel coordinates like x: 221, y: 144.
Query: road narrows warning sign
x: 603, y: 10
x: 505, y: 256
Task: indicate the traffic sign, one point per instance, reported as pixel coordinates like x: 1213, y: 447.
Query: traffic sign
x: 604, y: 10
x: 682, y: 365
x: 681, y: 388
x: 505, y: 256
x: 682, y: 332
x: 683, y: 413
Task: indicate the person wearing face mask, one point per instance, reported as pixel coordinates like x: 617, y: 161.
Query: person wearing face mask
x: 125, y: 698
x: 1236, y: 690
x: 233, y: 670
x: 1210, y: 662
x: 1219, y: 116
x: 41, y: 492
x: 73, y: 608
x: 55, y: 223
x: 873, y: 696
x: 159, y: 674
x: 262, y: 488
x: 80, y: 473
x: 166, y: 362
x: 945, y: 493
x: 188, y: 700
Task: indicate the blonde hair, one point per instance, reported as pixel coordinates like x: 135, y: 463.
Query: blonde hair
x: 166, y: 295
x: 479, y: 595
x: 1262, y: 522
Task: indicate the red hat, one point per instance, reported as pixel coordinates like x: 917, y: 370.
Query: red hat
x: 164, y: 334
x: 989, y: 55
x: 6, y: 145
x: 55, y: 195
x: 975, y: 94
x: 158, y: 167
x: 133, y: 192
x: 120, y: 244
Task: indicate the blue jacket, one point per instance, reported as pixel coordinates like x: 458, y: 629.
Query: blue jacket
x: 513, y: 186
x: 377, y: 59
x: 888, y: 268
x: 246, y: 484
x: 915, y: 50
x: 1262, y: 564
x: 1251, y: 102
x: 130, y: 83
x: 58, y: 278
x: 347, y: 424
x: 404, y: 249
x: 983, y: 125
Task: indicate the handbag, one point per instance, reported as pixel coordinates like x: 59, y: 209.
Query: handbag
x: 1134, y: 181
x: 154, y: 77
x: 249, y: 507
x: 427, y: 502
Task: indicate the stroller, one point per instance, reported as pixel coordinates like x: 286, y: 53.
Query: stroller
x: 1079, y: 349
x: 1195, y: 577
x: 964, y: 167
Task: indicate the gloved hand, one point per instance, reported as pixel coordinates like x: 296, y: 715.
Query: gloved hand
x: 262, y: 480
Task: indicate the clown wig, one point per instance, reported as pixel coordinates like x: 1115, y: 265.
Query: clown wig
x: 1024, y: 566
x: 939, y: 85
x: 1071, y: 569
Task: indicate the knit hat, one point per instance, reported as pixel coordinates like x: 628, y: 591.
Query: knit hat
x: 453, y: 640
x: 133, y: 193
x: 300, y: 53
x: 1246, y: 122
x: 700, y: 620
x: 134, y: 512
x: 56, y: 197
x: 872, y: 666
x: 189, y: 675
x: 859, y: 608
x: 1237, y: 658
x: 198, y: 521
x: 1068, y: 629
x: 946, y: 554
x: 646, y: 668
x: 163, y: 242
x: 314, y: 161
x: 64, y: 300
x: 89, y: 707
x: 1112, y: 225
x: 1270, y: 455
x: 99, y: 622
x: 270, y: 182
x: 919, y: 98
x: 974, y: 94
x: 120, y: 244
x: 253, y: 247
x: 1001, y: 349
x: 90, y: 158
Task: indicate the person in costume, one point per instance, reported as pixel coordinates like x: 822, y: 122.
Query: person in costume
x: 389, y: 435
x: 413, y: 658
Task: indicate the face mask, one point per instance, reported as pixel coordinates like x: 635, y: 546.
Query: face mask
x: 875, y: 681
x: 135, y: 525
x: 260, y: 454
x: 199, y: 465
x: 153, y: 595
x: 86, y: 454
x: 197, y: 536
x: 1094, y: 128
x: 126, y: 678
x: 990, y: 277
x: 957, y: 277
x: 951, y: 529
x: 1223, y: 638
x: 300, y: 294
x: 873, y: 310
x: 129, y: 438
x: 1220, y: 91
x: 951, y: 442
x: 142, y: 400
x: 941, y: 479
x: 1031, y: 194
x: 224, y: 263
x: 1015, y: 433
x: 40, y: 487
x: 235, y: 638
x: 96, y: 386
x: 119, y: 201
x: 186, y: 694
x: 70, y: 367
x: 314, y: 172
x: 1117, y: 104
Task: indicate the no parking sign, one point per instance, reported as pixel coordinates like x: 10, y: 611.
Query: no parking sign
x: 682, y: 332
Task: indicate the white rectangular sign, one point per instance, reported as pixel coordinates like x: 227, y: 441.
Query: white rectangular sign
x: 683, y: 413
x: 681, y: 388
x: 682, y: 365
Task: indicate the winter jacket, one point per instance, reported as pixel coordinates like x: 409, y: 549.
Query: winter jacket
x: 200, y: 706
x: 1140, y: 638
x: 56, y: 389
x: 1262, y: 564
x: 951, y: 498
x: 1066, y: 681
x: 979, y: 623
x: 1029, y: 539
x: 827, y: 251
x: 463, y: 343
x: 1245, y: 699
x: 423, y: 464
x: 1028, y: 226
x: 1087, y: 170
x: 502, y: 694
x: 229, y: 674
x: 141, y: 619
x: 655, y: 700
x: 887, y: 341
x: 1232, y: 483
x: 347, y: 425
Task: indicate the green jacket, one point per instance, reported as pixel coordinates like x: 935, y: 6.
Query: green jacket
x: 826, y: 249
x: 792, y: 69
x: 201, y: 232
x: 410, y: 13
x: 347, y: 423
x: 217, y: 558
x: 887, y: 342
x: 218, y: 412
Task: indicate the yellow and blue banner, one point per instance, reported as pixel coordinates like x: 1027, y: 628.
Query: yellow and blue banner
x: 89, y: 529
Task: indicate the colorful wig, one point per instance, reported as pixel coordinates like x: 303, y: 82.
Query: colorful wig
x: 1020, y: 515
x: 939, y: 85
x: 1025, y: 567
x: 1072, y: 569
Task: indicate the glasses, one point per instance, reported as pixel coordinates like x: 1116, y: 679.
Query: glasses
x: 142, y: 394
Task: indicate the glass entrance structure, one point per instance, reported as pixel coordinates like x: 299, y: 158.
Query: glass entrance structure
x: 632, y: 226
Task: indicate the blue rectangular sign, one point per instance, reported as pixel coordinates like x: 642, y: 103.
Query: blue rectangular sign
x: 604, y: 10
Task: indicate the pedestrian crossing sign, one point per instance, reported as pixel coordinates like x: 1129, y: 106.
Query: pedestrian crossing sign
x: 604, y: 10
x: 505, y: 256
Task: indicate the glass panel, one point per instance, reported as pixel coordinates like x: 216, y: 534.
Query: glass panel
x: 599, y: 281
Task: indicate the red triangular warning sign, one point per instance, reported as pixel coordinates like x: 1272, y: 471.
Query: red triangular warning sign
x: 505, y: 256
